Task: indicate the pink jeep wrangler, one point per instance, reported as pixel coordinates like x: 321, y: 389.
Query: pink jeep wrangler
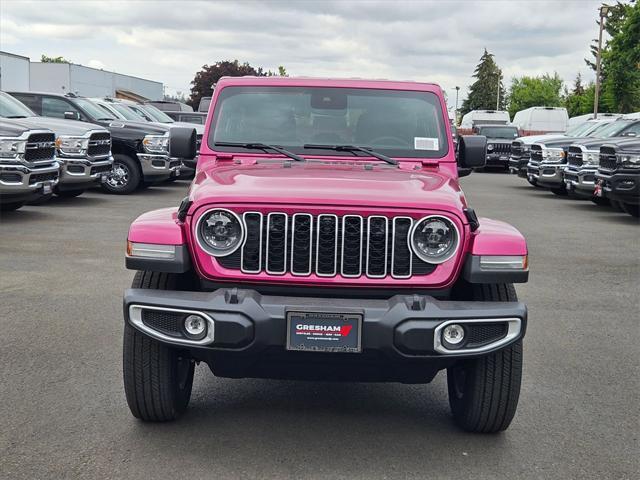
x: 325, y: 237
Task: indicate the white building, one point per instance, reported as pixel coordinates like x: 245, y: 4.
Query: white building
x: 14, y: 72
x: 69, y: 77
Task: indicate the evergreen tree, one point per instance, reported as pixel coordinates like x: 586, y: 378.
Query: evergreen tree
x: 484, y: 91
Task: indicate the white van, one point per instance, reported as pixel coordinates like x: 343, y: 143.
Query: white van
x: 573, y: 121
x: 534, y: 120
x: 484, y: 117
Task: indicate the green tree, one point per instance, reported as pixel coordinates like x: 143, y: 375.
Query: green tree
x: 205, y: 79
x: 543, y: 91
x: 621, y: 62
x: 484, y: 91
x: 46, y: 59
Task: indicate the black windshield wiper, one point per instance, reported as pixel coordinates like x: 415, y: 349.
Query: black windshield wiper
x: 261, y: 146
x: 353, y: 148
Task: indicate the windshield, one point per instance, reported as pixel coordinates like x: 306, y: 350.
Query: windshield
x: 579, y: 130
x: 93, y: 110
x: 155, y: 113
x: 499, y: 132
x: 127, y: 113
x: 392, y: 122
x: 610, y: 129
x: 12, y: 108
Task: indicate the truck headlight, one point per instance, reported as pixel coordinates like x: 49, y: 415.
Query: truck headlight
x: 434, y: 239
x: 156, y: 143
x: 11, y: 147
x: 553, y: 154
x: 628, y: 160
x: 590, y: 157
x: 72, y: 145
x: 219, y: 232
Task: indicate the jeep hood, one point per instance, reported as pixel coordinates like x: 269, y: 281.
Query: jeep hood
x: 319, y: 183
x: 60, y: 126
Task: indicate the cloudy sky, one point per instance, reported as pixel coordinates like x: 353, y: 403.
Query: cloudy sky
x: 439, y: 41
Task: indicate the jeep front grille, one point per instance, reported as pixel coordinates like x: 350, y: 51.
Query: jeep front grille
x: 326, y: 245
x: 500, y: 148
x: 40, y: 147
x: 99, y: 144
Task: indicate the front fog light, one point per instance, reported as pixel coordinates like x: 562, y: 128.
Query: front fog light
x: 453, y: 334
x: 195, y: 327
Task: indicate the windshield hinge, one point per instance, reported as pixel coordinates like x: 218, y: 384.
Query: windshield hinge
x: 185, y: 204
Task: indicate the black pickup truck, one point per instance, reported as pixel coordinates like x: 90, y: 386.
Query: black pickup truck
x: 140, y: 149
x: 618, y: 177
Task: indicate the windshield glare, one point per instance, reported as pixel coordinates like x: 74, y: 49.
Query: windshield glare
x: 128, y: 113
x: 496, y: 132
x: 92, y: 109
x: 392, y: 122
x: 610, y: 129
x: 156, y: 114
x: 579, y: 130
x: 10, y: 107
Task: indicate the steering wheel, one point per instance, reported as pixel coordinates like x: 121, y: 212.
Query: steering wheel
x: 388, y: 139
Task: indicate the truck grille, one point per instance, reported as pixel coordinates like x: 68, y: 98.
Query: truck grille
x: 500, y: 148
x: 517, y: 148
x: 99, y: 144
x: 536, y: 153
x: 327, y: 245
x: 574, y: 156
x: 608, y: 159
x: 40, y: 147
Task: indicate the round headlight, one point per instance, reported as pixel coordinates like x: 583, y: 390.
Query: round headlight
x: 220, y: 232
x: 490, y: 146
x: 434, y: 239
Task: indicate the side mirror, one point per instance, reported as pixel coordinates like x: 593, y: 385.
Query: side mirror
x: 472, y: 151
x: 182, y: 143
x: 72, y: 115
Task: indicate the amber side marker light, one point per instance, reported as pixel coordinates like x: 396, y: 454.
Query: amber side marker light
x: 151, y: 250
x: 504, y: 262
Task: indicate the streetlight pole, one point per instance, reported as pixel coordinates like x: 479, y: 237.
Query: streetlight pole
x: 457, y: 90
x: 604, y: 11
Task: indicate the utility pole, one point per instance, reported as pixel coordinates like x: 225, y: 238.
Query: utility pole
x: 457, y: 90
x: 498, y: 94
x: 604, y: 11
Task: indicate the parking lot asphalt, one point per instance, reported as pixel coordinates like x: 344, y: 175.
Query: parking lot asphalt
x: 63, y: 412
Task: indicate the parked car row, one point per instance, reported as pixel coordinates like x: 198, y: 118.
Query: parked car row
x: 597, y: 160
x: 96, y: 142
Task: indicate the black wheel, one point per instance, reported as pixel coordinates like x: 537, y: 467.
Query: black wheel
x: 561, y: 192
x: 157, y: 378
x: 600, y: 201
x: 631, y: 209
x: 124, y: 177
x: 171, y: 179
x: 484, y: 392
x: 532, y: 181
x: 41, y: 200
x: 10, y: 207
x: 68, y: 193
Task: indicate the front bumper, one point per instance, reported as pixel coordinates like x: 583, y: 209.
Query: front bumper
x: 157, y: 168
x: 497, y: 160
x: 580, y: 180
x: 547, y: 174
x: 518, y: 165
x: 21, y: 183
x: 251, y: 327
x: 82, y: 173
x: 621, y: 187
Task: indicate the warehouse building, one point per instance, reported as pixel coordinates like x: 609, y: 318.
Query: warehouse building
x: 19, y: 73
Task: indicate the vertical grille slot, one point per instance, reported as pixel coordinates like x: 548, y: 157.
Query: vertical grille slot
x: 401, y: 256
x: 327, y: 245
x: 377, y: 246
x: 301, y: 244
x: 352, y: 231
x: 251, y: 252
x: 276, y: 243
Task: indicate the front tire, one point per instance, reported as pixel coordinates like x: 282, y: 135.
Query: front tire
x: 69, y: 193
x: 10, y: 207
x: 484, y: 392
x: 157, y: 378
x: 561, y: 192
x: 125, y: 176
x: 633, y: 210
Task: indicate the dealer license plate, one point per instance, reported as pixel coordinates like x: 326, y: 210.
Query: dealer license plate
x: 46, y: 188
x: 324, y: 332
x: 598, y: 190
